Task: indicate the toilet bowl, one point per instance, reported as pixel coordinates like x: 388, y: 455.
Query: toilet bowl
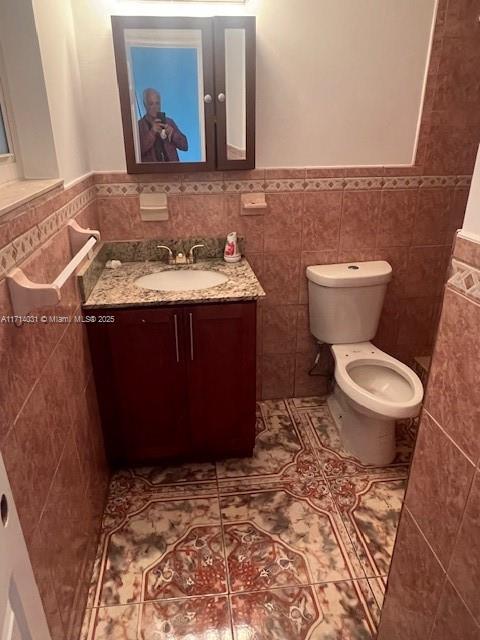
x: 372, y: 391
x: 376, y: 382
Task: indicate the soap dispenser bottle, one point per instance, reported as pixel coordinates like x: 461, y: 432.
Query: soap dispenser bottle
x: 231, y: 252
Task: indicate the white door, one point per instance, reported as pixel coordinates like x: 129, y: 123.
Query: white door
x: 21, y: 612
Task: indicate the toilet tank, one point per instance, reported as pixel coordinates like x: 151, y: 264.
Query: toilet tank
x: 345, y: 300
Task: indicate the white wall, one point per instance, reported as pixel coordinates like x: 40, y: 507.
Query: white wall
x: 54, y: 22
x: 471, y: 223
x: 339, y: 82
x: 25, y: 82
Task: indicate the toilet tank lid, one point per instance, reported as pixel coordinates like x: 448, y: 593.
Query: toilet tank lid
x: 350, y: 274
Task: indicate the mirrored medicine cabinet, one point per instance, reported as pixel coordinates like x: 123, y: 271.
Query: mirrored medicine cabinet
x: 187, y: 92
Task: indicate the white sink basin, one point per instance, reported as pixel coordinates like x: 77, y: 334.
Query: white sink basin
x: 181, y: 280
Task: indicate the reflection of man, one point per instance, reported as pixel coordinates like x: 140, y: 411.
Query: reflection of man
x: 159, y: 136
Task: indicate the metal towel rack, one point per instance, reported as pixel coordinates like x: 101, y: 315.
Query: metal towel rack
x: 27, y: 295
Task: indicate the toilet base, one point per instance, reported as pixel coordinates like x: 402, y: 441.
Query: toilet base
x: 368, y: 438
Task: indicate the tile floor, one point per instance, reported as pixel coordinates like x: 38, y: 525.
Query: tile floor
x: 293, y: 543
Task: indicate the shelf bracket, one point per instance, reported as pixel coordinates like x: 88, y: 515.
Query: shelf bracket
x: 79, y: 236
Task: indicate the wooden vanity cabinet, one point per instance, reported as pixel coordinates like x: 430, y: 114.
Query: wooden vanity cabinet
x: 176, y: 383
x: 221, y: 378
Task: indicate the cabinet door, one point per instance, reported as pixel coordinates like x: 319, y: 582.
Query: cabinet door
x: 221, y: 378
x: 235, y: 91
x: 142, y: 386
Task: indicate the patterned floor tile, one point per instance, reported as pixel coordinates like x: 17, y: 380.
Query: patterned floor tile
x: 330, y: 611
x: 110, y: 622
x: 161, y: 479
x: 272, y: 408
x: 256, y: 560
x: 165, y: 549
x: 205, y: 618
x: 273, y: 538
x: 378, y: 586
x: 192, y: 619
x: 130, y: 491
x: 277, y: 442
x: 283, y: 458
x: 370, y: 508
x: 307, y: 403
x: 302, y: 525
x: 336, y: 462
x: 192, y: 472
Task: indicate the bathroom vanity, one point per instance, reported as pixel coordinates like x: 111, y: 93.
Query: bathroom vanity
x: 174, y: 371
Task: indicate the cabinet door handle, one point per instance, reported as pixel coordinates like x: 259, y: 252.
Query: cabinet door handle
x: 176, y: 337
x: 191, y: 336
x: 221, y: 97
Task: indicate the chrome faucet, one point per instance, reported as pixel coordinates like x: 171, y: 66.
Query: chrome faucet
x: 191, y: 255
x: 171, y: 259
x: 180, y: 258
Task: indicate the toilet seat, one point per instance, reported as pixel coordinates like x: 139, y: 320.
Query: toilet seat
x: 377, y: 382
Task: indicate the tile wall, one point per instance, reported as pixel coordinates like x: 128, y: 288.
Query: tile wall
x: 50, y: 435
x: 309, y: 219
x: 432, y: 591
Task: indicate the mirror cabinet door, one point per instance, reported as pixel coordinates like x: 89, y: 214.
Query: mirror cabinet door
x: 166, y: 86
x: 235, y: 92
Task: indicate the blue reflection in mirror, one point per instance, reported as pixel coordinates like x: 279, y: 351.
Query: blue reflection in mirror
x: 168, y: 118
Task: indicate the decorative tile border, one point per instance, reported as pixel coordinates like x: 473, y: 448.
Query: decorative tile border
x: 215, y: 186
x: 465, y: 279
x: 281, y: 185
x: 22, y: 246
x: 467, y: 249
x: 284, y: 185
x: 324, y: 184
x: 133, y: 189
x: 364, y: 183
x: 244, y: 186
x: 463, y: 181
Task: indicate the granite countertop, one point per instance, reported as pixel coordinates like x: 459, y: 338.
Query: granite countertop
x: 116, y: 287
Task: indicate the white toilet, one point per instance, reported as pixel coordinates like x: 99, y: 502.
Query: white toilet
x: 372, y: 389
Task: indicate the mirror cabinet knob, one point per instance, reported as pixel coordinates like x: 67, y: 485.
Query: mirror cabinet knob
x: 207, y: 98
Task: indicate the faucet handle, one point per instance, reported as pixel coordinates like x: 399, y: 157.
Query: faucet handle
x: 170, y: 256
x: 190, y: 254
